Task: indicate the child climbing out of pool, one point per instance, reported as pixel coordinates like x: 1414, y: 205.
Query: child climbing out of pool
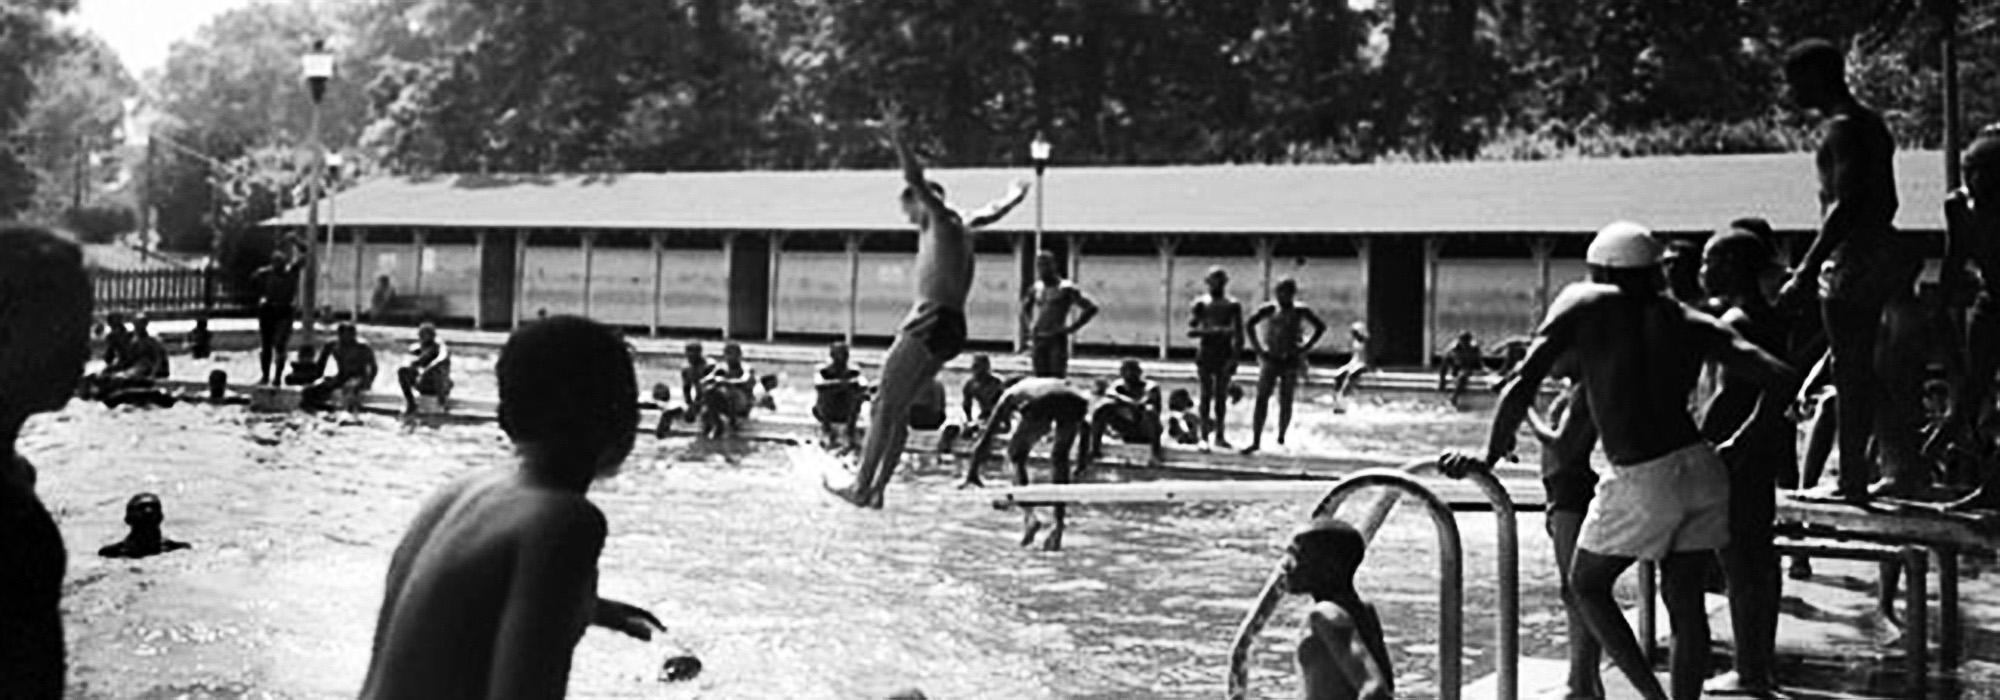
x: 728, y: 393
x: 934, y: 331
x: 144, y: 515
x: 1217, y: 327
x: 839, y: 391
x: 1281, y: 354
x: 1044, y: 404
x: 496, y: 579
x: 44, y: 342
x: 1342, y: 654
x: 1568, y: 436
x: 1130, y: 408
x: 1665, y: 496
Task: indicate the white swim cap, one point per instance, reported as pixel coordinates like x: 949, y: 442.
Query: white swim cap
x: 1623, y: 244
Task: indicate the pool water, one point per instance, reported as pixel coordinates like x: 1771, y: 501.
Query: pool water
x: 782, y: 592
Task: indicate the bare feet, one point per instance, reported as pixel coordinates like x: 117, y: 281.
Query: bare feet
x: 1893, y: 487
x: 1028, y: 533
x: 1833, y: 493
x: 1732, y: 684
x: 1053, y: 543
x: 1251, y: 450
x: 971, y: 483
x: 851, y: 494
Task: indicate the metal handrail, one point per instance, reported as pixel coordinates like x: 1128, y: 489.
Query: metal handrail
x: 1450, y: 564
x: 1451, y: 593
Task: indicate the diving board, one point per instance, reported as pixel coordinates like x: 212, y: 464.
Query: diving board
x: 1456, y: 493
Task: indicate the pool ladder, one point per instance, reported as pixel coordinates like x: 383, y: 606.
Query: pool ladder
x: 1451, y: 564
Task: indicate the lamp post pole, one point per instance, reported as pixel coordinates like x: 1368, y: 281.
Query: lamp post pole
x: 1038, y: 150
x: 318, y: 65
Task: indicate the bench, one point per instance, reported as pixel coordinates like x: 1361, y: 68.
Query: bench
x: 411, y: 307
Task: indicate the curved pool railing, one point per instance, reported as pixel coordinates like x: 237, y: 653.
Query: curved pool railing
x: 1451, y: 593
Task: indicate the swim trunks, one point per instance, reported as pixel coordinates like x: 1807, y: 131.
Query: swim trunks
x: 1050, y: 356
x: 940, y: 328
x: 1215, y: 356
x: 1677, y: 502
x: 926, y: 417
x: 1568, y: 480
x: 1868, y: 272
x: 1292, y: 363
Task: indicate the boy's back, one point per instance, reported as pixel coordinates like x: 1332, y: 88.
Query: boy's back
x: 1337, y: 651
x: 488, y: 559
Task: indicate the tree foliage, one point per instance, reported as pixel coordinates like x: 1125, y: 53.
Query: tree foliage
x: 592, y: 85
x: 28, y: 43
x: 72, y: 126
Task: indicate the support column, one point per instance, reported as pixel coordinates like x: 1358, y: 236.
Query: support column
x: 1543, y: 248
x: 728, y: 289
x: 361, y: 288
x: 771, y: 297
x: 1024, y: 281
x: 478, y: 280
x: 1075, y: 277
x: 521, y: 241
x: 1166, y: 246
x: 1361, y: 250
x: 1432, y: 245
x: 659, y: 281
x: 417, y: 240
x: 1264, y: 246
x: 853, y: 285
x: 588, y: 239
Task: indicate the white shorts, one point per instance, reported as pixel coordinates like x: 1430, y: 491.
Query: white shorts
x: 1678, y: 502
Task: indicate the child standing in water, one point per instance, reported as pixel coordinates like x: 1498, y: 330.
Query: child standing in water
x: 494, y: 583
x: 1281, y: 355
x: 1342, y: 655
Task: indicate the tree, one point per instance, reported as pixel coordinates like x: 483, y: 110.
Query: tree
x: 74, y: 121
x: 30, y: 43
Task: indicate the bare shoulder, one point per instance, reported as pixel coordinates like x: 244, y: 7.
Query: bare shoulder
x: 1576, y: 300
x: 1328, y: 616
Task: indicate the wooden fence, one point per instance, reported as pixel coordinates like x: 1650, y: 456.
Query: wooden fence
x: 163, y: 291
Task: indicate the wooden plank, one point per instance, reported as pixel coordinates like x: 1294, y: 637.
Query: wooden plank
x: 1885, y: 524
x: 1184, y: 491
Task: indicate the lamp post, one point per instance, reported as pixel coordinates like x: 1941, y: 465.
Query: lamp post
x: 333, y: 174
x: 1038, y: 150
x: 318, y: 69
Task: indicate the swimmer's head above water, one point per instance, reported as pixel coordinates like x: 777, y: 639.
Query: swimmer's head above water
x: 1981, y: 163
x: 143, y: 511
x: 44, y: 323
x: 1322, y: 558
x: 568, y: 393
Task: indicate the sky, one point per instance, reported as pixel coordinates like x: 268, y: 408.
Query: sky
x: 142, y: 30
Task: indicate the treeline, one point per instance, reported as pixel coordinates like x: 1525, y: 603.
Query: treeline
x: 609, y: 85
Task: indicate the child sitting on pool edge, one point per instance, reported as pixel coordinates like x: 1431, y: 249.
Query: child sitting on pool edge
x: 509, y: 556
x: 1342, y: 655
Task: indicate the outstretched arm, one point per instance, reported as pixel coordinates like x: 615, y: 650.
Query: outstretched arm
x: 986, y: 437
x: 1519, y: 396
x: 998, y: 208
x: 913, y: 171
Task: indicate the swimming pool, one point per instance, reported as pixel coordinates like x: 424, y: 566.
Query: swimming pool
x: 782, y: 592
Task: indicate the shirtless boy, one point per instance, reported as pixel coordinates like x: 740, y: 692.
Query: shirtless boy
x: 1567, y: 438
x: 977, y: 397
x: 1666, y: 494
x: 1973, y: 213
x: 1281, y: 355
x: 44, y: 343
x: 1130, y: 408
x: 934, y: 332
x: 728, y: 393
x: 1342, y: 655
x: 1047, y: 311
x: 1734, y: 265
x: 1044, y: 404
x: 494, y: 583
x: 1217, y: 327
x: 1461, y: 361
x: 839, y: 390
x: 1854, y: 263
x: 356, y: 363
x: 144, y: 515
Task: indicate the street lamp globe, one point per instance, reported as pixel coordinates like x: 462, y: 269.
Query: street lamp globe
x: 318, y: 68
x: 1038, y: 150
